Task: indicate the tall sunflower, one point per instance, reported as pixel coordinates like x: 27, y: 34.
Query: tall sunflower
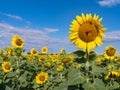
x: 41, y: 78
x: 110, y: 53
x: 17, y: 42
x: 33, y: 52
x: 44, y: 50
x: 86, y: 31
x: 6, y: 66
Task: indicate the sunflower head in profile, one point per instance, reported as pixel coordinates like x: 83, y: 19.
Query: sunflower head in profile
x: 86, y: 31
x: 62, y: 51
x: 112, y: 74
x: 66, y: 60
x: 110, y: 53
x: 41, y: 77
x: 47, y: 64
x: 17, y: 42
x: 9, y: 50
x: 44, y: 50
x: 6, y: 66
x: 33, y: 52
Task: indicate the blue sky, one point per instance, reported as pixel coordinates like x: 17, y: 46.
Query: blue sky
x: 47, y: 22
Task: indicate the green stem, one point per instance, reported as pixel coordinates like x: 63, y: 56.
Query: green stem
x: 18, y: 73
x: 87, y: 58
x: 87, y: 63
x: 17, y: 69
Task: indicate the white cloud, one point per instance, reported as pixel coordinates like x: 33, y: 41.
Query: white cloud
x: 109, y: 3
x: 12, y: 16
x: 112, y: 36
x: 49, y: 30
x: 19, y: 18
x: 33, y: 38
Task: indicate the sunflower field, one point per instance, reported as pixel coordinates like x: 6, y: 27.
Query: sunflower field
x: 83, y: 69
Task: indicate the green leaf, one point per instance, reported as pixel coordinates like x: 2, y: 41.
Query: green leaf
x: 35, y: 86
x: 79, y: 53
x: 0, y: 81
x: 25, y: 84
x: 10, y: 74
x: 62, y: 86
x: 97, y: 69
x: 7, y: 88
x: 22, y: 78
x: 92, y: 55
x: 1, y: 61
x: 92, y: 87
x: 89, y: 86
x: 99, y: 84
x: 115, y: 86
x: 75, y: 77
x: 7, y: 80
x: 0, y: 69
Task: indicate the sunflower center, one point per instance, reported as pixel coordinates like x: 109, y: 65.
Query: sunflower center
x: 19, y: 42
x: 65, y: 60
x: 42, y: 78
x: 87, y: 32
x: 34, y: 51
x: 110, y: 51
x: 44, y: 50
x: 41, y: 59
x: 7, y: 67
x: 54, y: 59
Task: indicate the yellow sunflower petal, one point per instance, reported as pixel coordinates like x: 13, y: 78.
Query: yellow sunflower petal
x: 79, y: 19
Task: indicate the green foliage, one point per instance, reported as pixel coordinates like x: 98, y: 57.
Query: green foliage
x: 75, y: 77
x: 89, y: 76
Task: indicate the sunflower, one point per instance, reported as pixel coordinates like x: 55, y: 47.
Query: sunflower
x: 8, y: 50
x: 44, y: 50
x: 41, y: 58
x: 6, y: 66
x: 62, y: 51
x: 110, y: 52
x: 30, y: 60
x: 17, y: 42
x: 54, y: 59
x: 86, y: 31
x: 99, y: 60
x: 66, y: 60
x: 47, y: 64
x: 33, y: 52
x: 71, y: 56
x: 78, y: 66
x: 41, y: 78
x: 60, y: 68
x: 117, y: 59
x: 112, y: 74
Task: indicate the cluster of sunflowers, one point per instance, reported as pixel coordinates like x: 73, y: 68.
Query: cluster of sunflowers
x: 80, y: 70
x: 34, y: 70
